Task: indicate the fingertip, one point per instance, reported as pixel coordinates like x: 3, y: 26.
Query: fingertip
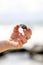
x: 29, y: 30
x: 16, y: 28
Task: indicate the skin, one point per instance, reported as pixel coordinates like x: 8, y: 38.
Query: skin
x: 17, y: 40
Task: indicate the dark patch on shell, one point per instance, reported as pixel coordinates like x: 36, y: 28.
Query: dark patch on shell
x: 23, y: 26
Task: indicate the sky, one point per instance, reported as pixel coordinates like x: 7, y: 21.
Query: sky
x: 21, y: 11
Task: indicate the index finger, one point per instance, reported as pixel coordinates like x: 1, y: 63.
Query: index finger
x: 16, y: 28
x: 14, y: 33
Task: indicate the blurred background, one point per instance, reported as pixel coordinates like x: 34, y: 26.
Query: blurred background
x: 17, y: 11
x: 28, y: 12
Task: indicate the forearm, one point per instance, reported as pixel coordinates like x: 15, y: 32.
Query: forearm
x: 4, y: 45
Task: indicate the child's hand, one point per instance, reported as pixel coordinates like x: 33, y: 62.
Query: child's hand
x: 17, y: 39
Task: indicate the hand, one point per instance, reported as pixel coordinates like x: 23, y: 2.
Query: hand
x: 17, y: 39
